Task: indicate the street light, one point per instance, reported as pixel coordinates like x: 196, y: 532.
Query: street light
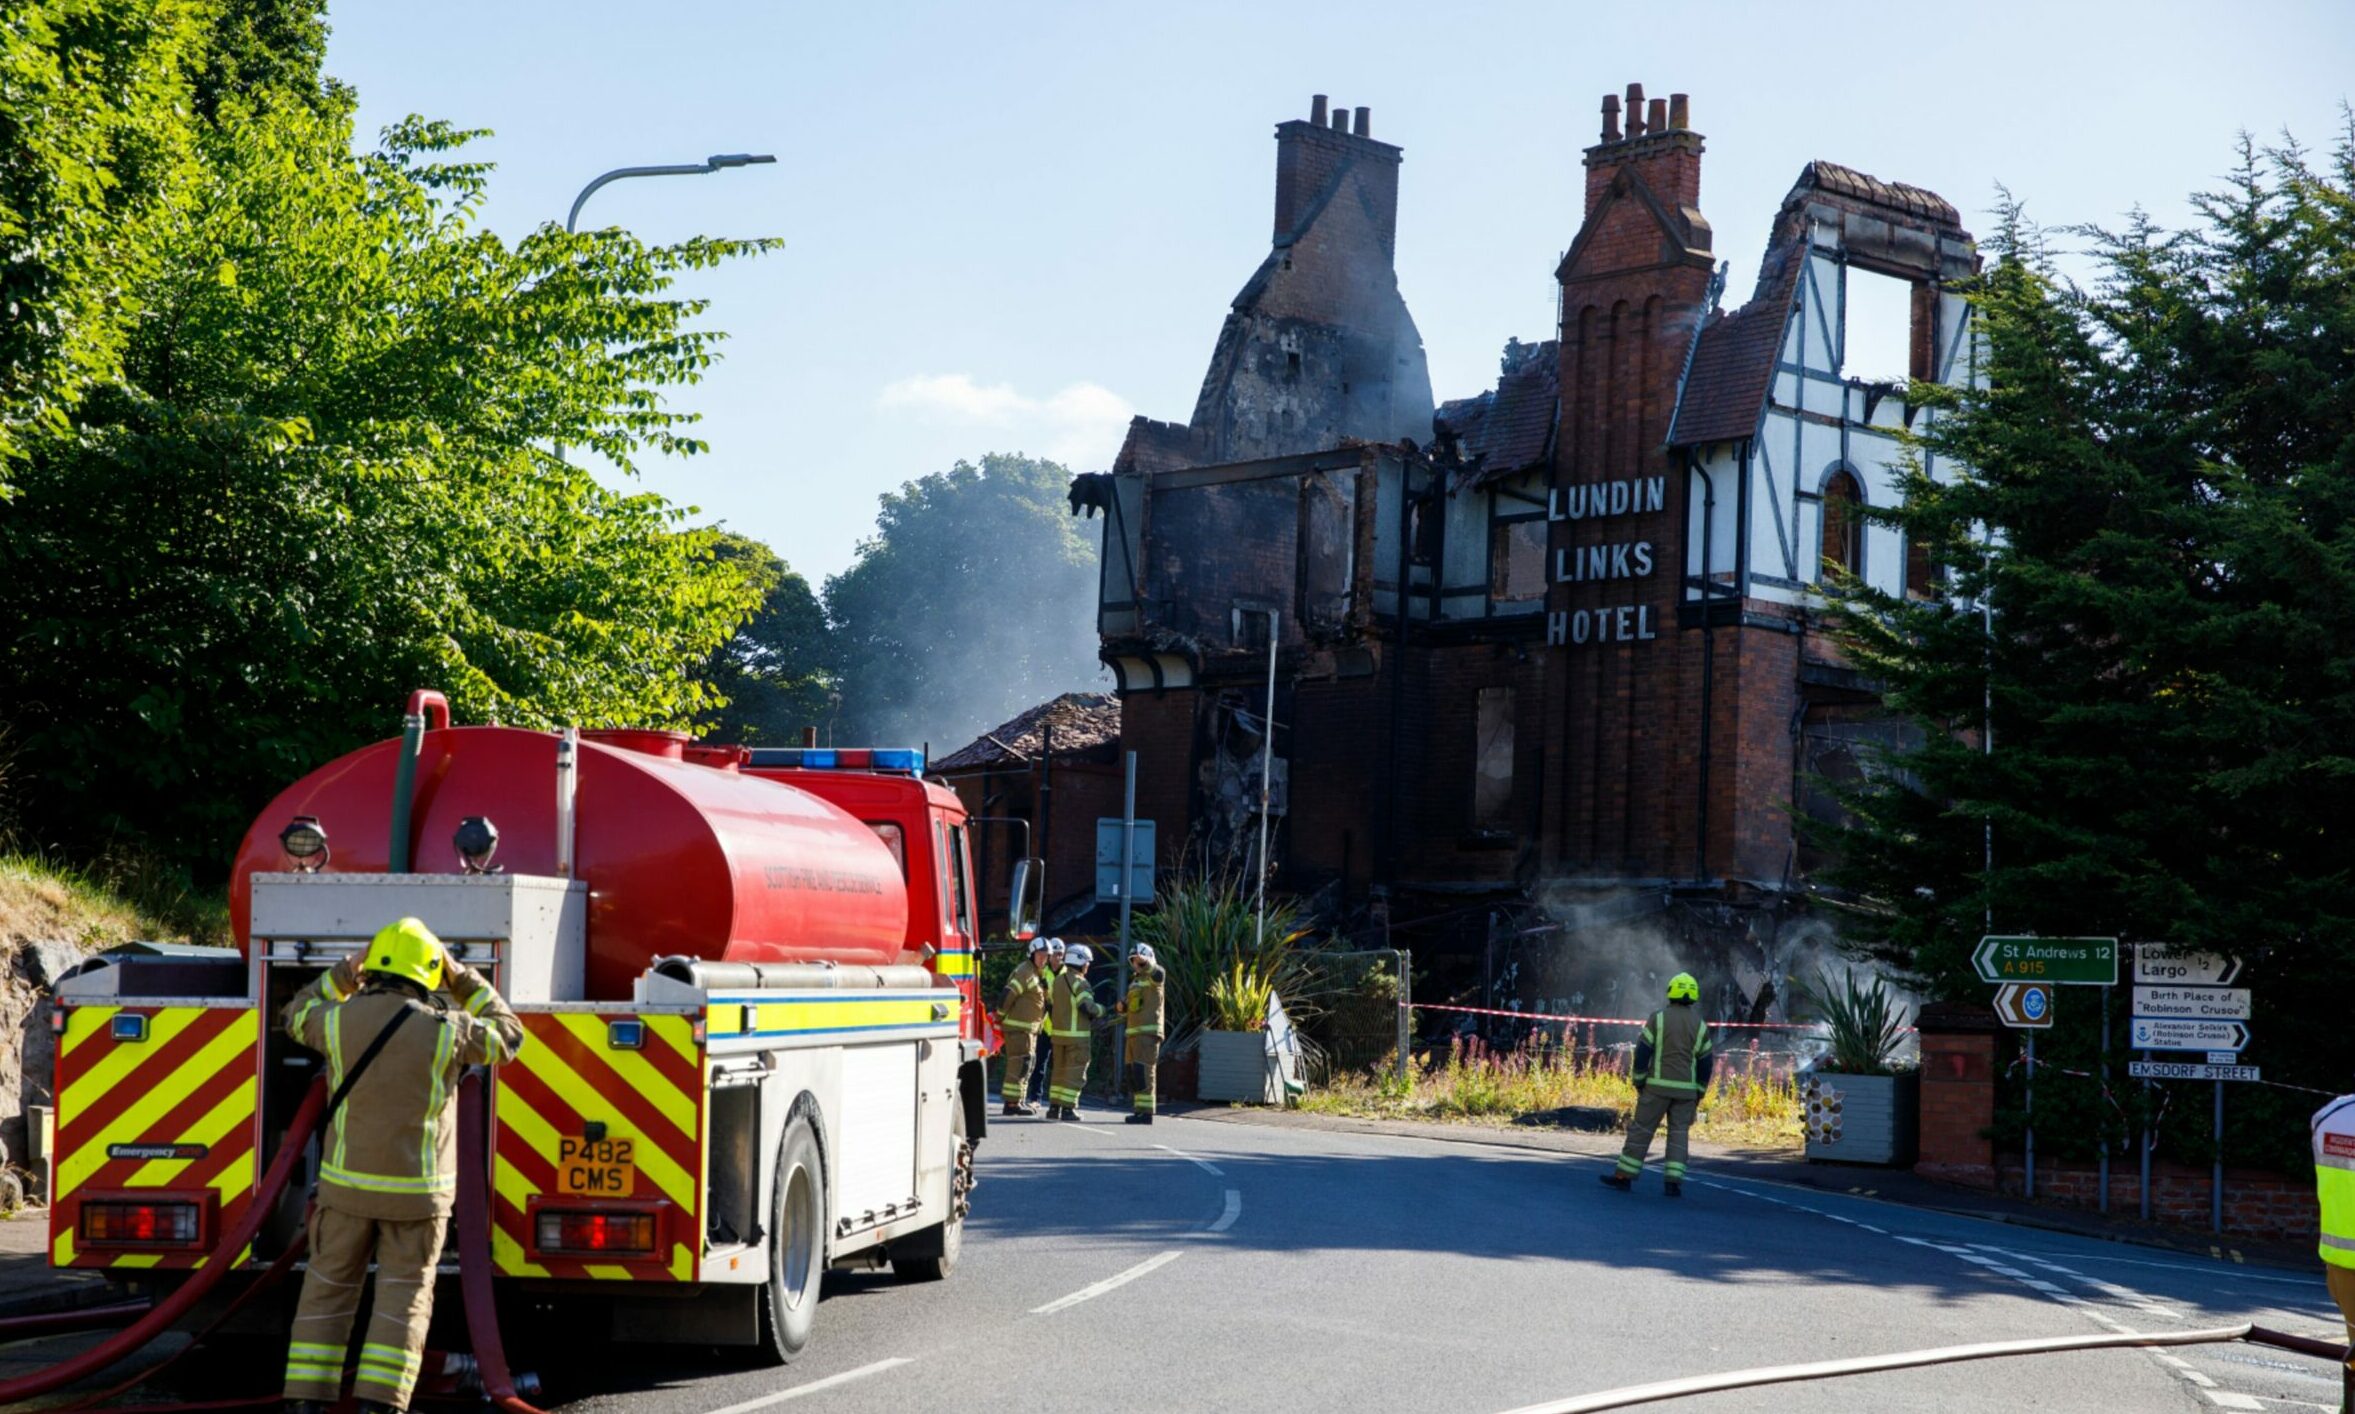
x: 675, y: 169
x: 709, y: 164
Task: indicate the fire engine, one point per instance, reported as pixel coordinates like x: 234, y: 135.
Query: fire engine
x: 754, y: 1039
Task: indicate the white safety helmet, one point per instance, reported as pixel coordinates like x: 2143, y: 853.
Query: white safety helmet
x: 1078, y: 955
x: 1042, y: 943
x: 1054, y: 948
x: 1141, y: 954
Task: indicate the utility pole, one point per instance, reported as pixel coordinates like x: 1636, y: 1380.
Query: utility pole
x: 1267, y: 762
x: 1128, y: 845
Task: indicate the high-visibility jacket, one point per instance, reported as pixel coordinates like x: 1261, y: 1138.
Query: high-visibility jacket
x: 1142, y: 1006
x: 1675, y: 1053
x: 391, y: 1151
x: 1072, y: 1009
x: 1025, y: 1005
x: 2334, y: 1179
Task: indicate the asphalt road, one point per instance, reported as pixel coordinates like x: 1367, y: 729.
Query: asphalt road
x: 1199, y: 1265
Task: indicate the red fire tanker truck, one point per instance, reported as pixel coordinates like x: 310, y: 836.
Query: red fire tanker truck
x: 754, y: 1040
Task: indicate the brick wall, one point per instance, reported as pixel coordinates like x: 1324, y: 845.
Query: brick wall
x: 1957, y: 1107
x: 2256, y: 1203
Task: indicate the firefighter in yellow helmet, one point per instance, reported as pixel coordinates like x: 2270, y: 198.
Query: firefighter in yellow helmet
x: 1021, y: 1015
x: 1142, y: 1007
x: 1072, y: 1013
x: 1674, y: 1058
x: 388, y: 1156
x: 2333, y: 1129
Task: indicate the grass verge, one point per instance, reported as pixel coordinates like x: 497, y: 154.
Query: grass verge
x: 1473, y: 1083
x: 99, y: 906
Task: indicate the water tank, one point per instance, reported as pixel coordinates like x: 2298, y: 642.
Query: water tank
x: 680, y: 857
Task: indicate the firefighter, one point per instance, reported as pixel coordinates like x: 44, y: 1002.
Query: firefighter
x: 2334, y: 1186
x: 1072, y: 1013
x: 1142, y: 1007
x: 1043, y: 1061
x: 1020, y: 1015
x: 1673, y: 1063
x: 388, y: 1157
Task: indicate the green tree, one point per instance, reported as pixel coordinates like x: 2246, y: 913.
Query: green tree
x: 974, y: 599
x: 2154, y: 491
x: 94, y: 145
x: 320, y: 479
x: 776, y: 673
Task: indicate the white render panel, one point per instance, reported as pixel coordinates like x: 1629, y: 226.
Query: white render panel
x: 537, y: 925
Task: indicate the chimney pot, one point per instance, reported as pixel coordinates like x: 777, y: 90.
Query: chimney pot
x: 1365, y: 122
x: 1610, y: 117
x: 1316, y: 110
x: 1340, y: 120
x: 1656, y: 116
x: 1635, y: 110
x: 1680, y: 112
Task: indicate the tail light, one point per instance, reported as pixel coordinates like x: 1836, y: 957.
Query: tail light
x: 141, y: 1224
x: 591, y: 1232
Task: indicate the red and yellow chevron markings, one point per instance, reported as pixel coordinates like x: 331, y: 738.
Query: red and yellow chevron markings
x: 566, y: 1078
x: 185, y: 1086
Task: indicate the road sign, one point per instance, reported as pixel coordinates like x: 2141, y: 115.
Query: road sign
x: 2160, y: 963
x: 2024, y: 1004
x: 2067, y: 962
x: 2161, y: 1033
x: 2224, y: 1057
x: 2184, y: 1070
x: 1140, y: 872
x: 2193, y: 1003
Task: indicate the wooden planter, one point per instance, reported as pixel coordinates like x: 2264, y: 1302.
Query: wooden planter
x: 1236, y: 1067
x: 1862, y: 1119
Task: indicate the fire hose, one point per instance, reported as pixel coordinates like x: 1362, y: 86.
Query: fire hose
x: 474, y: 1261
x: 166, y: 1312
x: 1633, y: 1395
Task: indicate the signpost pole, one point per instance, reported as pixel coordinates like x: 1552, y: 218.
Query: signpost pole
x: 2029, y: 1173
x: 1128, y: 845
x: 2104, y: 1120
x: 2216, y: 1173
x: 2146, y: 1146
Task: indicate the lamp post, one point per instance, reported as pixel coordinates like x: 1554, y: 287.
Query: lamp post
x: 709, y: 164
x: 673, y: 169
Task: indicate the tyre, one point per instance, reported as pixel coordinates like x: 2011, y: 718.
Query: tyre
x: 932, y: 1254
x: 788, y: 1301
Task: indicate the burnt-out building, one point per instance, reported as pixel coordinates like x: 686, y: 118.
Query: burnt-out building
x: 1552, y: 658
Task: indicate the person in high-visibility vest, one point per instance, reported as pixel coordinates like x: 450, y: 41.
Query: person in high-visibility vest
x: 1142, y: 1007
x: 1041, y: 1070
x: 1674, y: 1058
x: 1072, y: 1013
x: 389, y: 1157
x: 2334, y: 1188
x: 1020, y: 1015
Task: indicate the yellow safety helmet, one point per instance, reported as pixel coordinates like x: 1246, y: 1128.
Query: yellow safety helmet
x: 407, y: 949
x: 1684, y: 987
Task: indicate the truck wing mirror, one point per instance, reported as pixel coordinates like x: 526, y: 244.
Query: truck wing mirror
x: 1022, y: 900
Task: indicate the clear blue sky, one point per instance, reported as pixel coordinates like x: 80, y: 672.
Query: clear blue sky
x: 1008, y: 226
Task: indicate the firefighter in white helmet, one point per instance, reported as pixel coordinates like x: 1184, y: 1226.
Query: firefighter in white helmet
x: 1021, y: 1015
x: 1072, y: 1013
x: 1142, y: 1007
x: 388, y: 1157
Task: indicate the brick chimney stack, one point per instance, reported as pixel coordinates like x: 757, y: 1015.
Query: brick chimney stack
x: 1310, y: 153
x: 1659, y: 146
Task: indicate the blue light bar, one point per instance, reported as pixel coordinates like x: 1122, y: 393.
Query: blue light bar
x: 898, y: 759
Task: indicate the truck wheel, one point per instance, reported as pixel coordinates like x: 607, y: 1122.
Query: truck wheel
x: 932, y: 1254
x: 797, y: 1245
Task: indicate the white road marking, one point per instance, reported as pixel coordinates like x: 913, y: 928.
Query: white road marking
x: 814, y: 1386
x: 1149, y: 1265
x: 1233, y: 1211
x: 2226, y: 1399
x: 1215, y: 1170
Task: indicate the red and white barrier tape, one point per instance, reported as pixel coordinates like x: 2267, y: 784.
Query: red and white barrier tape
x: 1620, y: 1020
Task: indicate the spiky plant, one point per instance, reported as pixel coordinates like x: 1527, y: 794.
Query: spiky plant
x: 1866, y: 1023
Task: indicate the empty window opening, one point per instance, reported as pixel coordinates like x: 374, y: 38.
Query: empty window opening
x: 1843, y: 526
x: 1516, y: 561
x: 1877, y: 336
x: 1492, y: 760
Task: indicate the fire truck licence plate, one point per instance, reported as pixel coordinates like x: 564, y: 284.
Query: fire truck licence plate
x: 595, y: 1168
